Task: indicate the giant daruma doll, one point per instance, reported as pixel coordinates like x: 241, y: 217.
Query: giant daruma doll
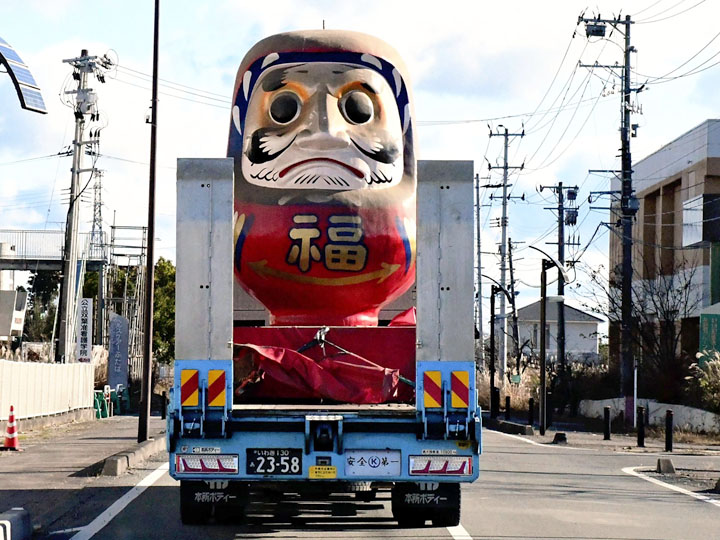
x: 321, y: 134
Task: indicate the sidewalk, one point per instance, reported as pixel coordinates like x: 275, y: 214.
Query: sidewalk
x: 619, y: 442
x: 58, y: 462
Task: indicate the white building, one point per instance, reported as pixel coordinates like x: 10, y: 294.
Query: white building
x: 581, y: 332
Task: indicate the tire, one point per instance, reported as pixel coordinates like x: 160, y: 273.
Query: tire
x: 366, y: 496
x: 192, y: 513
x: 230, y: 514
x: 407, y: 520
x: 448, y: 517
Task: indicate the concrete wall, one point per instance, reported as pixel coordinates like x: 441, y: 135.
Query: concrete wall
x: 37, y: 389
x: 687, y: 418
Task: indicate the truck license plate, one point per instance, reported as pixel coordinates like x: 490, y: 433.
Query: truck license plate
x: 275, y: 461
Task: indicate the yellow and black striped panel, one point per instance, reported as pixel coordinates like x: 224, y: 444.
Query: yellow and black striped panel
x: 216, y: 388
x: 460, y: 389
x: 189, y: 392
x: 432, y: 389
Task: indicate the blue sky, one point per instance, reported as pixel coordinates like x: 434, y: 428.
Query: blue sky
x: 471, y: 64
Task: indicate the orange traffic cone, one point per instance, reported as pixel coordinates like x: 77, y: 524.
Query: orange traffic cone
x: 11, y: 433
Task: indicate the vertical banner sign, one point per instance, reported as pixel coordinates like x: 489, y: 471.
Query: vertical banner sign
x: 118, y: 354
x: 84, y: 330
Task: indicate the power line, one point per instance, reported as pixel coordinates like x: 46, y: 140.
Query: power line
x: 648, y: 21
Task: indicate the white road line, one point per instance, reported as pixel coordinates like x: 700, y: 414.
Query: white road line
x: 118, y: 506
x: 632, y: 471
x: 459, y: 533
x: 543, y: 445
x: 518, y: 437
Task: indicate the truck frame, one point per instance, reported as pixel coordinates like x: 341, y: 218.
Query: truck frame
x: 223, y: 453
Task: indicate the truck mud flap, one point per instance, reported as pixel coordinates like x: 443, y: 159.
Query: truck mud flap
x: 413, y: 503
x: 202, y: 499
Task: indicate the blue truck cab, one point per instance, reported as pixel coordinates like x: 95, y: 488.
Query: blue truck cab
x: 226, y: 453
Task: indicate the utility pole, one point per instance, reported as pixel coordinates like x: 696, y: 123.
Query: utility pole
x: 503, y: 243
x: 515, y: 332
x: 480, y: 360
x: 85, y: 104
x: 563, y: 219
x: 146, y: 390
x: 628, y: 202
x: 97, y: 244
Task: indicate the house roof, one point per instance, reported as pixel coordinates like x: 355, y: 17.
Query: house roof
x: 531, y: 312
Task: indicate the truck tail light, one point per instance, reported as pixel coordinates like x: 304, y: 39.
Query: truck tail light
x: 441, y: 465
x: 189, y: 388
x: 206, y: 464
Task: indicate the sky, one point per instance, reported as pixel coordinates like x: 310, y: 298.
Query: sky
x: 474, y: 67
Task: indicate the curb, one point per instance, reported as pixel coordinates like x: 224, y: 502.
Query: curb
x: 122, y: 461
x: 512, y: 428
x: 15, y: 525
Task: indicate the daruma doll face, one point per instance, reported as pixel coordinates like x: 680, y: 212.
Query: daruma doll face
x: 322, y: 126
x: 321, y: 133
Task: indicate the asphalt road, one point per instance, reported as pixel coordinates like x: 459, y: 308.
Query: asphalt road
x: 525, y: 491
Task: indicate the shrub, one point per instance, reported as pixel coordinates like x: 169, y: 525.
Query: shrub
x: 704, y: 380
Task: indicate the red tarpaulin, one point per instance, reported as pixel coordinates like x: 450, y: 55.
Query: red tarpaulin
x: 343, y: 378
x: 373, y: 354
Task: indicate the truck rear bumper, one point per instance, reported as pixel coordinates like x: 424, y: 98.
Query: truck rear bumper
x: 269, y: 456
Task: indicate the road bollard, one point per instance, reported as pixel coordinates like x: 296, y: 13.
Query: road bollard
x: 494, y: 402
x: 606, y: 422
x: 507, y: 408
x: 531, y: 412
x: 641, y: 427
x: 549, y: 413
x: 669, y: 431
x: 163, y: 407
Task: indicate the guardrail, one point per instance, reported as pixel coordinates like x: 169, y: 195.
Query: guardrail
x: 37, y: 389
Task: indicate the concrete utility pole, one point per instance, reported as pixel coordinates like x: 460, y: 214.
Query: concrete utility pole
x: 515, y: 331
x: 503, y: 245
x: 146, y: 390
x: 563, y: 219
x: 480, y: 360
x: 85, y: 100
x: 628, y: 203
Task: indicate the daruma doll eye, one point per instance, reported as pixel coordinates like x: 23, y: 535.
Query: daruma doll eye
x: 356, y: 107
x: 285, y: 108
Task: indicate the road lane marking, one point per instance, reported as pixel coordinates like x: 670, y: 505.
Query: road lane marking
x: 459, y: 533
x: 543, y: 445
x: 633, y: 472
x: 65, y: 531
x: 118, y: 506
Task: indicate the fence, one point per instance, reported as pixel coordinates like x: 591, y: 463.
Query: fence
x: 37, y: 389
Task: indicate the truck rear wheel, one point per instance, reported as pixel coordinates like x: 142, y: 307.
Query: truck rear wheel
x: 192, y: 512
x: 450, y: 516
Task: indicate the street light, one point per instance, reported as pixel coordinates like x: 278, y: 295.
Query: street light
x: 546, y: 265
x: 494, y: 289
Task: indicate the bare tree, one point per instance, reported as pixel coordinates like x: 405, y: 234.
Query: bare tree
x: 659, y: 305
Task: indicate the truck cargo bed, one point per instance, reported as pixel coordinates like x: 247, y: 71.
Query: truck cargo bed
x: 390, y: 409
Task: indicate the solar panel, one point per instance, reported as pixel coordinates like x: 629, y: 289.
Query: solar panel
x: 32, y: 99
x: 10, y: 54
x: 23, y: 75
x: 27, y: 89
